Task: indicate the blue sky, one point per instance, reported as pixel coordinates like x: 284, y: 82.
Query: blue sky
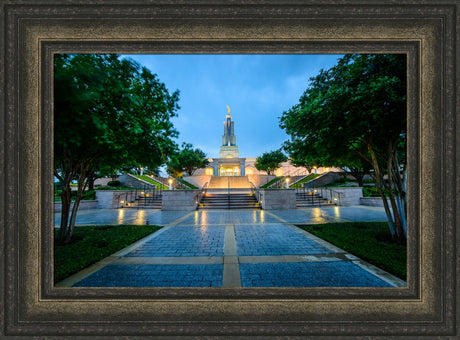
x: 257, y: 88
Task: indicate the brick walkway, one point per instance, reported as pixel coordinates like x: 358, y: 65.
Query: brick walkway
x: 249, y: 248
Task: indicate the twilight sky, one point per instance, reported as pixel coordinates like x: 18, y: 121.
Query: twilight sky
x: 257, y: 88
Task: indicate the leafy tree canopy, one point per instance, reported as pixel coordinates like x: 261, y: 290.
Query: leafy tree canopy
x: 108, y: 112
x: 270, y: 161
x: 356, y: 108
x: 187, y: 160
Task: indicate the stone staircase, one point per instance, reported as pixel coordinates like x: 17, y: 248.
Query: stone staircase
x: 237, y: 199
x: 310, y: 199
x: 145, y: 202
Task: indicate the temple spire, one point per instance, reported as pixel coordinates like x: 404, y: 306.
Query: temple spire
x: 229, y: 148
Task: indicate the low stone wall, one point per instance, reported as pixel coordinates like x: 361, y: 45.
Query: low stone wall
x: 372, y: 201
x: 324, y: 179
x: 259, y: 180
x: 348, y: 195
x: 179, y: 200
x: 84, y: 205
x: 277, y: 199
x: 198, y: 181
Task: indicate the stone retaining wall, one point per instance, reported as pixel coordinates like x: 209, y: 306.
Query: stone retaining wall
x: 372, y: 201
x: 179, y: 200
x: 277, y: 199
x: 348, y: 196
x: 324, y: 179
x: 198, y: 181
x: 259, y: 180
x: 84, y: 205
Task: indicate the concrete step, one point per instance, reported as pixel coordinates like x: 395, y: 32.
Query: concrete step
x: 226, y: 198
x: 225, y: 201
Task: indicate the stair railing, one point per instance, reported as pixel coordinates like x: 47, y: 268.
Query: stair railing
x: 176, y: 184
x: 279, y: 183
x: 138, y: 194
x: 255, y: 191
x: 299, y: 172
x: 332, y: 195
x: 228, y: 194
x: 327, y: 193
x: 202, y: 193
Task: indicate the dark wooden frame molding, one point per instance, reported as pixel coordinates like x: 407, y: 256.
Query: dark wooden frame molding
x: 32, y: 31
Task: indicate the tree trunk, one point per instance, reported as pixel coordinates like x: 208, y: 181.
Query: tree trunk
x: 66, y: 200
x: 82, y: 182
x: 91, y: 180
x: 379, y: 185
x: 400, y: 234
x: 358, y: 175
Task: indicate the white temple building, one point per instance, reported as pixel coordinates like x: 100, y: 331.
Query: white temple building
x: 230, y: 163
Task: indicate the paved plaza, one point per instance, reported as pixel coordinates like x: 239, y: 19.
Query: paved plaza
x: 224, y: 248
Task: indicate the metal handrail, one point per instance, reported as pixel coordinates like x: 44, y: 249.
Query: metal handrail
x: 202, y: 193
x: 299, y: 172
x: 329, y: 194
x: 278, y: 183
x: 138, y: 194
x: 176, y: 184
x: 255, y: 191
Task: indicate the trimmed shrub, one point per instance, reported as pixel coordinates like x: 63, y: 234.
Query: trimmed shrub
x: 113, y: 183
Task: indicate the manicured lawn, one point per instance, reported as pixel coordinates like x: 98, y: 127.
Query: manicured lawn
x: 94, y: 243
x: 151, y: 181
x: 184, y: 182
x: 303, y: 180
x: 266, y: 185
x: 369, y: 241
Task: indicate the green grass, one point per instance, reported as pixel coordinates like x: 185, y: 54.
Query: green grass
x: 151, y: 181
x: 266, y: 185
x: 303, y: 180
x: 91, y: 244
x: 184, y: 182
x: 369, y: 241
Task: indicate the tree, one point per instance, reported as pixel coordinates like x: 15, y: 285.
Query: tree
x: 270, y: 161
x: 358, y: 108
x: 107, y: 112
x: 187, y: 160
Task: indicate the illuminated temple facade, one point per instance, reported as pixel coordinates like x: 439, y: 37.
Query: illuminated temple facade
x: 230, y: 163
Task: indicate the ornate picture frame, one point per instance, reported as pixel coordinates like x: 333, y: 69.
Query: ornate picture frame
x: 34, y: 30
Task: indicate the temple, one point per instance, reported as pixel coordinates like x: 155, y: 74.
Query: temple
x: 229, y: 163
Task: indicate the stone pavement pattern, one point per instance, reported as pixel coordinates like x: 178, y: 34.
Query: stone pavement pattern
x: 245, y: 248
